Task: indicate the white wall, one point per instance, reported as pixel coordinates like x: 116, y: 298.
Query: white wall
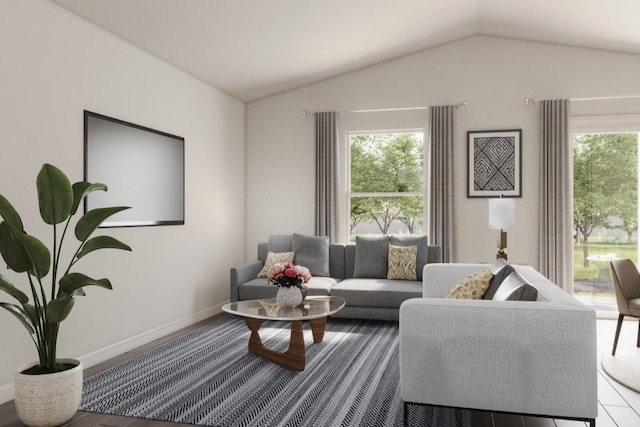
x: 492, y: 74
x: 54, y: 65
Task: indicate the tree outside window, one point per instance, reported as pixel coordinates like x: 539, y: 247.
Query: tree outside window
x: 386, y: 183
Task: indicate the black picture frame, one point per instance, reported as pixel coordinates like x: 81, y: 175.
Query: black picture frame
x: 494, y: 163
x: 144, y: 168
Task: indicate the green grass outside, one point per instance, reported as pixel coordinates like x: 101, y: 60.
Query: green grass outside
x: 621, y: 251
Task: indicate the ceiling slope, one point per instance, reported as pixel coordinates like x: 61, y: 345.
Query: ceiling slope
x: 254, y: 48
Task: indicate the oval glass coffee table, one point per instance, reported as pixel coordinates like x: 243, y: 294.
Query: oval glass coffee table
x: 313, y: 309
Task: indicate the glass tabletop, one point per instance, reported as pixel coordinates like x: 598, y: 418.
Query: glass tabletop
x: 268, y: 309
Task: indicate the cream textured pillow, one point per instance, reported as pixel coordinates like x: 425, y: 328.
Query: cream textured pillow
x: 473, y: 286
x: 402, y: 262
x: 274, y: 258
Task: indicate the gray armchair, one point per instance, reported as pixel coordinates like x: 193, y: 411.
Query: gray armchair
x: 626, y: 282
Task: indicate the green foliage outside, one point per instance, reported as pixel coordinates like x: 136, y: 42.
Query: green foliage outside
x: 605, y: 186
x: 387, y: 163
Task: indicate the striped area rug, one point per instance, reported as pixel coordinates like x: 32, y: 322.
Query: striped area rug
x: 207, y: 377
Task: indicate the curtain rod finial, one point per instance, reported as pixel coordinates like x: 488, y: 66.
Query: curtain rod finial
x: 529, y: 101
x: 306, y: 112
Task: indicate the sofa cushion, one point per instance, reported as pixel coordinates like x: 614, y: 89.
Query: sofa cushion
x: 274, y: 258
x: 312, y: 252
x: 500, y: 270
x: 259, y: 288
x: 515, y: 288
x: 377, y: 292
x: 472, y: 286
x: 280, y: 243
x: 371, y: 257
x: 422, y: 242
x: 402, y: 262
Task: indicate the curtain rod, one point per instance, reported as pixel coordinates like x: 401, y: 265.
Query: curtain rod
x: 462, y: 104
x: 533, y: 101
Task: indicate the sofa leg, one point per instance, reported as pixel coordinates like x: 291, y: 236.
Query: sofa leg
x: 615, y: 341
x: 638, y: 343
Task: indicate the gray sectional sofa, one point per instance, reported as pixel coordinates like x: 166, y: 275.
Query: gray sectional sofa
x: 356, y: 272
x: 529, y: 357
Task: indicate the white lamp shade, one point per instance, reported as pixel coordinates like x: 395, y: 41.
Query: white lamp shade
x: 502, y: 213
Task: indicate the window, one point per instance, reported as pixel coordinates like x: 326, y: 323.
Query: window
x: 605, y: 169
x: 386, y: 183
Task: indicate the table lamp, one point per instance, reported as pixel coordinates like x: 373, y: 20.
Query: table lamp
x: 502, y: 215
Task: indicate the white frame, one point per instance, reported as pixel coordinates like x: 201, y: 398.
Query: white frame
x: 347, y: 168
x: 517, y: 190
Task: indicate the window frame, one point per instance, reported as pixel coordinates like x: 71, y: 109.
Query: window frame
x: 348, y: 195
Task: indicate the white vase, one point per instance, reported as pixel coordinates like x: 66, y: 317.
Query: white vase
x: 50, y: 399
x: 288, y: 297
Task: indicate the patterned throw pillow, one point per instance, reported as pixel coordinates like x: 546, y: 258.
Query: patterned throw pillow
x: 402, y: 262
x: 473, y: 286
x: 274, y: 258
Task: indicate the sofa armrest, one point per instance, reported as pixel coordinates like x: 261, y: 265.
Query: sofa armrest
x: 513, y: 356
x: 242, y: 274
x: 438, y: 279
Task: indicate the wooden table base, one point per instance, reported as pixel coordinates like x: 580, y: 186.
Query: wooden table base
x: 294, y: 358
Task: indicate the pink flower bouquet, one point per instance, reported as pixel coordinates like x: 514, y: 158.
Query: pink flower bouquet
x: 288, y: 274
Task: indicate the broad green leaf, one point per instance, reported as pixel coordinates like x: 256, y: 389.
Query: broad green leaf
x: 79, y: 293
x: 32, y: 312
x: 102, y: 242
x: 10, y: 215
x: 73, y: 281
x: 12, y: 250
x: 58, y: 309
x: 7, y: 286
x: 38, y: 254
x: 92, y: 219
x: 20, y: 314
x: 81, y: 189
x: 55, y: 195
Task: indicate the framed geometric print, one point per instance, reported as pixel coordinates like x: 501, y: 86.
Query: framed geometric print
x: 494, y: 163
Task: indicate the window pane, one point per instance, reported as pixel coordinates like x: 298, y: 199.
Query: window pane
x: 386, y: 215
x: 605, y: 211
x: 386, y: 162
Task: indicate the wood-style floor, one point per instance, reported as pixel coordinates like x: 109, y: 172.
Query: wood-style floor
x: 617, y: 405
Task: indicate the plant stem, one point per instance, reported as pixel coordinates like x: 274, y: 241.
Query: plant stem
x: 56, y: 255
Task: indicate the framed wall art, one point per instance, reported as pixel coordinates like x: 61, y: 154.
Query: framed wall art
x: 494, y: 163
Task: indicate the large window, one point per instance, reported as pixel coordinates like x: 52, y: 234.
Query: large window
x: 386, y: 183
x: 605, y: 213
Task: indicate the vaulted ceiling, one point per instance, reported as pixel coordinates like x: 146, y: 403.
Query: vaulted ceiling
x: 255, y: 48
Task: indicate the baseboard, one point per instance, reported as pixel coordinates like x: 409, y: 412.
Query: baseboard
x: 106, y: 353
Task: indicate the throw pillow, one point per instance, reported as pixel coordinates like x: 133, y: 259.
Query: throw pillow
x: 372, y: 257
x: 422, y: 242
x: 313, y: 253
x: 497, y: 265
x: 402, y: 262
x: 516, y: 288
x: 472, y: 286
x: 280, y: 243
x: 274, y: 258
x: 498, y: 277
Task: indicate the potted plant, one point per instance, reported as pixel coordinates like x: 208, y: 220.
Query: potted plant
x: 48, y: 392
x: 292, y: 281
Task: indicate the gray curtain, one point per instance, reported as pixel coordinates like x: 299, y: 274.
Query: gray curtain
x: 326, y: 203
x: 442, y: 230
x: 556, y: 194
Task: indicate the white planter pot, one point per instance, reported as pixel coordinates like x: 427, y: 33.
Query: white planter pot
x: 48, y: 400
x: 288, y: 297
